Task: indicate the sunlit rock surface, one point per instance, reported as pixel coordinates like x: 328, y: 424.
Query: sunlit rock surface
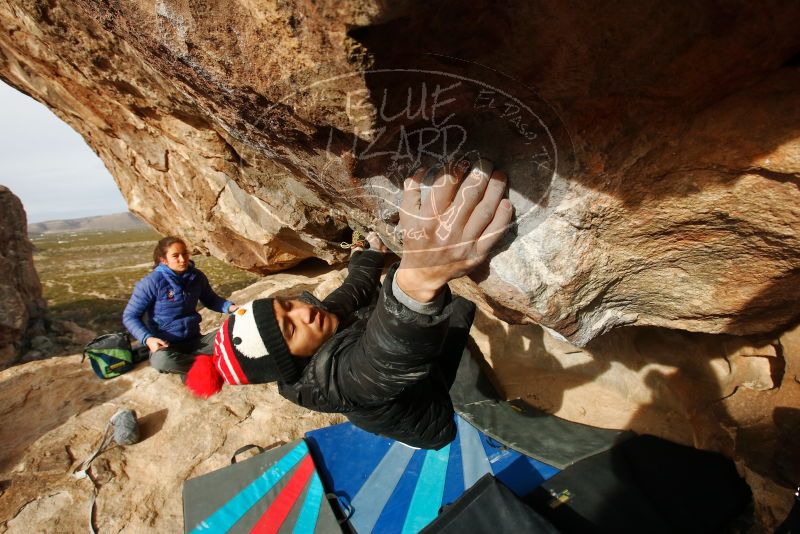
x: 20, y: 289
x: 653, y: 150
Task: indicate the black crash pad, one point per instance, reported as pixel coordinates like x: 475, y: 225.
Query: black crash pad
x: 646, y: 484
x: 522, y: 427
x: 489, y: 507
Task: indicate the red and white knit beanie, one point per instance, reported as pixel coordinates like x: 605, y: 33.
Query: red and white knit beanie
x: 248, y: 349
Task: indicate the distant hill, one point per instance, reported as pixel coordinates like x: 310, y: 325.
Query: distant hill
x: 105, y: 223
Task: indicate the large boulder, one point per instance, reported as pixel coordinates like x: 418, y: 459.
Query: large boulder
x: 20, y: 289
x: 653, y: 150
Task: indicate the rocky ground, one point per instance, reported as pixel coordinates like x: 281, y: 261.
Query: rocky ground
x: 138, y: 487
x: 735, y: 395
x: 652, y: 151
x: 54, y: 412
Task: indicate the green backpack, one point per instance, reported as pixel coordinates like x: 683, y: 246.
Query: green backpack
x: 111, y: 354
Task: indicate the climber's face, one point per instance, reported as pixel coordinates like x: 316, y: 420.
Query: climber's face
x: 304, y: 327
x: 177, y: 257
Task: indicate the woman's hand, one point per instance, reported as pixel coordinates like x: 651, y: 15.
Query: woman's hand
x: 154, y: 343
x: 452, y: 229
x: 232, y: 308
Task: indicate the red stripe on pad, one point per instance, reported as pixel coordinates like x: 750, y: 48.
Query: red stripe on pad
x: 276, y: 514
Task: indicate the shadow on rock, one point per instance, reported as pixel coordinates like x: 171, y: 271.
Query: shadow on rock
x: 151, y: 424
x: 519, y: 357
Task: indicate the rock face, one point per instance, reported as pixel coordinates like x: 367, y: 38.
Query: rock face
x: 20, y: 290
x: 653, y: 151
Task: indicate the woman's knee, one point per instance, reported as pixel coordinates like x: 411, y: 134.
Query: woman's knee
x: 170, y: 361
x: 160, y: 361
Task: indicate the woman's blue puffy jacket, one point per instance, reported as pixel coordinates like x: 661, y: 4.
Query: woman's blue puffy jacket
x: 170, y: 300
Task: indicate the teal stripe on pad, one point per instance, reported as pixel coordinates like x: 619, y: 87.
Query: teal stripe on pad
x: 307, y: 521
x: 427, y: 498
x: 232, y: 511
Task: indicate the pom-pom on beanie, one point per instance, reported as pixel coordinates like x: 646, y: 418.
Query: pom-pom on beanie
x: 248, y: 349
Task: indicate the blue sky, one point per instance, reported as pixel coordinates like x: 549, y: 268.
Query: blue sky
x: 48, y: 165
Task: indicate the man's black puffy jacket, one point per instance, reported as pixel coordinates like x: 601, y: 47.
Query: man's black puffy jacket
x: 385, y: 368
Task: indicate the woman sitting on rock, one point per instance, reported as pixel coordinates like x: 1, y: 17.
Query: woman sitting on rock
x: 169, y: 295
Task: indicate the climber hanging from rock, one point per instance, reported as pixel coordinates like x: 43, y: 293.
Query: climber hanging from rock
x: 383, y: 356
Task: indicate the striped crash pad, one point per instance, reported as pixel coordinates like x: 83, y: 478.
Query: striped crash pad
x: 277, y: 491
x: 386, y: 487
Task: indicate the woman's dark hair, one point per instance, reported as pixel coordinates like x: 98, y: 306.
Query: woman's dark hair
x: 162, y: 246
